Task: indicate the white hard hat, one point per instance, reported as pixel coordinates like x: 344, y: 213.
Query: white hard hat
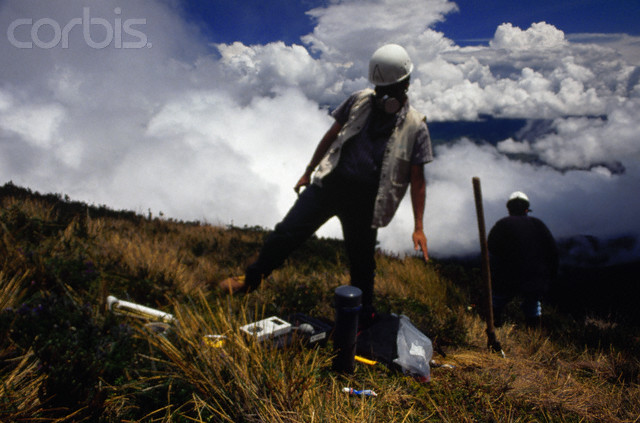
x: 519, y: 195
x: 518, y: 203
x: 389, y: 64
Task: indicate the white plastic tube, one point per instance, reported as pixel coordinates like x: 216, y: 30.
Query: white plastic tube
x: 114, y: 304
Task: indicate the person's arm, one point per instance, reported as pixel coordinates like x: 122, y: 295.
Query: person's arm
x: 418, y: 199
x: 326, y: 141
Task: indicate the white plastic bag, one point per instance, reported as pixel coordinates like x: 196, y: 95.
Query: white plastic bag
x: 414, y: 350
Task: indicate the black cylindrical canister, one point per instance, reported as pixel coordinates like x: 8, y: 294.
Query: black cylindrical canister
x: 348, y: 302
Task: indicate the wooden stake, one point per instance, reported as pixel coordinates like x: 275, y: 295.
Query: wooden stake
x: 492, y: 341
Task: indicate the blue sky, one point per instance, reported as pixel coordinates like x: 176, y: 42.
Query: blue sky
x: 260, y: 21
x: 252, y: 21
x: 478, y: 19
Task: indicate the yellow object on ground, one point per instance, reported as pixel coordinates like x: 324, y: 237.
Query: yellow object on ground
x: 365, y: 360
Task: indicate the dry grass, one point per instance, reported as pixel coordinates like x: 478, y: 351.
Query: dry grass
x: 249, y: 381
x: 12, y: 290
x: 178, y: 377
x: 411, y: 277
x: 20, y: 378
x: 157, y: 254
x: 537, y: 374
x: 19, y: 391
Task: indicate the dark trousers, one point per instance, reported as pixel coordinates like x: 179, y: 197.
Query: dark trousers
x: 315, y: 206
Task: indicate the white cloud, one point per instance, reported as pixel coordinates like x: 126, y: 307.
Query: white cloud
x: 510, y: 146
x: 626, y: 45
x: 260, y: 70
x: 534, y: 73
x: 571, y: 203
x: 541, y: 36
x: 35, y: 123
x: 355, y: 28
x: 582, y: 142
x: 222, y: 133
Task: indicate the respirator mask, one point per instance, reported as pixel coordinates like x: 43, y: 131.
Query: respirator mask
x: 391, y: 98
x: 388, y: 104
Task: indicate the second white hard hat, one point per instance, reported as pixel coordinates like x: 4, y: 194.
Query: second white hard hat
x: 519, y: 195
x: 389, y: 64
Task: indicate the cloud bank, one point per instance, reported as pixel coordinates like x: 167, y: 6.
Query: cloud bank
x: 160, y: 119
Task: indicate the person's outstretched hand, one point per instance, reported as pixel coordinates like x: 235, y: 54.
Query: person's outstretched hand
x: 420, y: 243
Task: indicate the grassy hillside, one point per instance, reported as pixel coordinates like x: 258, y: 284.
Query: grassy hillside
x: 65, y: 357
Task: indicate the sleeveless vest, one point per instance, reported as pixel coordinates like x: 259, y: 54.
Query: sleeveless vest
x: 395, y: 173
